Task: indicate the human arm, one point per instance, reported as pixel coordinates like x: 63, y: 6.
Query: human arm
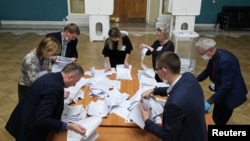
x: 162, y: 91
x: 205, y: 73
x: 126, y: 64
x: 142, y: 45
x: 108, y: 65
x: 172, y: 119
x: 226, y: 75
x: 76, y: 127
x: 29, y: 69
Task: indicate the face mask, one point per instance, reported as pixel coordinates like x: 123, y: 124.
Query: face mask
x: 165, y: 81
x: 205, y: 57
x: 66, y: 38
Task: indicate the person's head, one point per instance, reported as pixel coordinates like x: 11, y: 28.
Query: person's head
x: 115, y: 35
x: 167, y: 66
x: 72, y: 73
x: 48, y: 46
x: 206, y: 47
x: 71, y: 31
x: 162, y: 33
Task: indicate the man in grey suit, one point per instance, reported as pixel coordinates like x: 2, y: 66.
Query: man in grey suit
x: 183, y: 117
x: 226, y: 81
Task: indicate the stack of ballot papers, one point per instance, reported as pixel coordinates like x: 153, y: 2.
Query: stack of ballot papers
x: 91, y: 124
x: 123, y: 73
x: 60, y: 63
x: 73, y: 113
x: 130, y: 110
x: 111, y: 101
x: 99, y: 72
x: 100, y: 86
x: 148, y: 104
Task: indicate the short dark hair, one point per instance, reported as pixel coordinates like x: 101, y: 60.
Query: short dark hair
x: 169, y: 60
x: 74, y: 68
x: 72, y: 28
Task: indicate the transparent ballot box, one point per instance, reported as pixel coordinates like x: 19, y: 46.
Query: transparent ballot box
x: 184, y: 41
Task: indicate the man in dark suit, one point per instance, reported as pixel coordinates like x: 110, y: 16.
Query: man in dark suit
x: 184, y: 114
x: 68, y: 40
x: 40, y: 110
x: 226, y: 81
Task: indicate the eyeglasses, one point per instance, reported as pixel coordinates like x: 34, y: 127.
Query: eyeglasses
x: 156, y: 69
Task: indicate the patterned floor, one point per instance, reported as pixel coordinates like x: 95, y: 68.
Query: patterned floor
x: 16, y: 42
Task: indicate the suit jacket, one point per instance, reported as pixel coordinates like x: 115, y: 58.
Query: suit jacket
x: 71, y: 47
x: 39, y: 112
x: 184, y: 114
x: 224, y: 70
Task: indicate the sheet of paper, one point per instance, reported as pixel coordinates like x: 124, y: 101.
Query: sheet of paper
x: 98, y: 108
x: 91, y: 124
x: 73, y: 113
x: 123, y: 73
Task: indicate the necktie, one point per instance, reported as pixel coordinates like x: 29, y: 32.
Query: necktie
x: 64, y: 47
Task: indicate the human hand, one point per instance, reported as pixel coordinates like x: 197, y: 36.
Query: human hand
x: 73, y: 59
x: 146, y: 94
x: 77, y: 128
x: 53, y: 58
x: 66, y: 94
x: 207, y: 106
x: 145, y: 112
x: 126, y: 64
x: 108, y: 68
x: 142, y: 45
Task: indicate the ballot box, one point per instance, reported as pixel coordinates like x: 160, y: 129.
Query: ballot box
x: 184, y: 41
x: 99, y: 20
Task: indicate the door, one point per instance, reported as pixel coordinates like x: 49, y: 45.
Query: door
x: 127, y: 11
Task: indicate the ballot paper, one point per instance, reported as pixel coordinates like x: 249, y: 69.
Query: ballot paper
x: 156, y: 110
x: 123, y: 73
x: 75, y: 92
x: 98, y: 108
x: 91, y: 124
x: 63, y: 59
x: 60, y: 63
x: 73, y: 113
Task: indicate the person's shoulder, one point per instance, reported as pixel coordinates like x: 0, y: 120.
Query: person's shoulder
x: 53, y: 34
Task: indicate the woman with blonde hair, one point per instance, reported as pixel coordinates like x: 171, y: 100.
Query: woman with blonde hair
x: 35, y: 62
x: 162, y: 44
x: 117, y: 49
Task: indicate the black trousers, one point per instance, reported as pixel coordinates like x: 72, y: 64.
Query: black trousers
x: 221, y: 114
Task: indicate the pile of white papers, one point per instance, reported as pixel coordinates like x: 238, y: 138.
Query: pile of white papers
x: 123, y: 73
x: 75, y: 92
x: 91, y: 124
x: 73, y: 113
x: 60, y: 63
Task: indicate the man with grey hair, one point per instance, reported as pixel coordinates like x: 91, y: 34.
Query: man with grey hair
x: 39, y: 112
x: 226, y: 81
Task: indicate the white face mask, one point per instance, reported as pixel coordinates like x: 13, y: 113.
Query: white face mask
x: 165, y: 81
x: 205, y: 57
